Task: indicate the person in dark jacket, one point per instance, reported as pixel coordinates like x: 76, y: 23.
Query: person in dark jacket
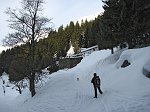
x: 96, y: 84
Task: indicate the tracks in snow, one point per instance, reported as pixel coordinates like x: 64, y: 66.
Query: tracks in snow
x: 110, y: 101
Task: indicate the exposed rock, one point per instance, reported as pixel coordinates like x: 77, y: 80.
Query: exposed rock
x: 146, y: 69
x: 125, y: 64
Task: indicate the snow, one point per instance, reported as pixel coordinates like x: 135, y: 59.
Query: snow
x: 88, y: 18
x: 9, y: 95
x: 9, y: 92
x: 124, y: 89
x: 147, y: 66
x: 70, y: 51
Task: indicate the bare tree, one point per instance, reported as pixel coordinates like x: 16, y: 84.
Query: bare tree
x: 29, y: 26
x: 3, y: 85
x: 20, y: 85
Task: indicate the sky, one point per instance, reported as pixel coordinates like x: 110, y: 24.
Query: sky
x: 61, y: 12
x: 124, y: 89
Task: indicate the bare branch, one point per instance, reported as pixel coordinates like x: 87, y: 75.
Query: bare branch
x: 27, y: 22
x: 29, y: 25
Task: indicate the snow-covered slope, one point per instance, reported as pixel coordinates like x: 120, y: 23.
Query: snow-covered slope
x: 88, y: 18
x: 7, y: 94
x: 6, y: 88
x: 124, y: 89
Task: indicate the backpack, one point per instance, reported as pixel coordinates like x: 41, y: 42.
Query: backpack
x: 97, y: 81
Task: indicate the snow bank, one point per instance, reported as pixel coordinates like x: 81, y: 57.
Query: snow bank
x: 6, y: 86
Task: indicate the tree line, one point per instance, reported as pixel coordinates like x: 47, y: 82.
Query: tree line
x: 123, y: 21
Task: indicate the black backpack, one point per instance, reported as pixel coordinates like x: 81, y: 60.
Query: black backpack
x: 97, y: 81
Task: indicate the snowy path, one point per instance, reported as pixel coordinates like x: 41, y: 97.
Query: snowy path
x: 110, y: 101
x: 114, y: 102
x: 5, y: 106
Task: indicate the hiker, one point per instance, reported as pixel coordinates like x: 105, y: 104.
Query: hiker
x: 96, y: 83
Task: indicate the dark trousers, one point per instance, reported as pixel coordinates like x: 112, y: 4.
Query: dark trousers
x: 95, y: 89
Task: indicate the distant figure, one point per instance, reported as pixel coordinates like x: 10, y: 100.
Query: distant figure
x: 96, y: 83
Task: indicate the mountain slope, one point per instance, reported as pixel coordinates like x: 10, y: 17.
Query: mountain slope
x: 124, y: 89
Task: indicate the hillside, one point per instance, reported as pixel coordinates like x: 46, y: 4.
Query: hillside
x: 124, y: 89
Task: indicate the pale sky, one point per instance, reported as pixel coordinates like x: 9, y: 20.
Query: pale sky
x: 62, y: 11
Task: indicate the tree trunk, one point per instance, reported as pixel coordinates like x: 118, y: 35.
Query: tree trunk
x: 131, y: 46
x: 19, y: 89
x: 112, y: 51
x: 32, y: 85
x: 32, y: 77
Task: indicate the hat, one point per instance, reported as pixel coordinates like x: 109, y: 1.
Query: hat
x: 95, y: 74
